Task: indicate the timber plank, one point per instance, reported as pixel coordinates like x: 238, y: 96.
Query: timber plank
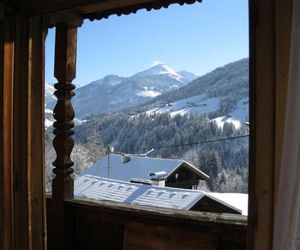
x: 36, y: 130
x: 6, y: 174
x: 141, y: 236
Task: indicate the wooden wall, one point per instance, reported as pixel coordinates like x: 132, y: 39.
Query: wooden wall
x: 115, y: 226
x: 270, y: 32
x: 22, y: 203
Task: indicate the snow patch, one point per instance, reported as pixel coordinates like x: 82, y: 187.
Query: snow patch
x: 237, y: 117
x: 160, y: 68
x: 48, y: 123
x: 227, y: 119
x: 192, y: 105
x: 48, y: 111
x: 148, y: 93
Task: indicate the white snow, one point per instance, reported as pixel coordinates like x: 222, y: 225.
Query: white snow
x: 160, y: 68
x: 137, y: 167
x: 227, y: 119
x: 237, y: 200
x: 200, y: 105
x: 148, y: 93
x: 237, y: 117
x: 48, y: 111
x: 49, y: 92
x: 79, y: 122
x: 49, y: 120
x: 192, y: 105
x: 48, y: 123
x: 100, y: 188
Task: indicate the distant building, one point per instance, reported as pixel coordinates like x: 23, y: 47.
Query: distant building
x: 94, y: 187
x: 153, y: 171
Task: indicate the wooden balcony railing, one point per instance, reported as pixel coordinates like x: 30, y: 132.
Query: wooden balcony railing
x: 91, y: 225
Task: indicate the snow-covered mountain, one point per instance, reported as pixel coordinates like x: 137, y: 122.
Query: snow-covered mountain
x: 221, y: 94
x: 113, y: 93
x: 49, y: 95
x: 160, y: 68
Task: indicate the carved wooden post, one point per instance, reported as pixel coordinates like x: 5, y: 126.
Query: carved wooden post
x: 65, y: 71
x: 63, y: 183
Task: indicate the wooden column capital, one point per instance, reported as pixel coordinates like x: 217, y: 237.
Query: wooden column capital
x: 72, y: 19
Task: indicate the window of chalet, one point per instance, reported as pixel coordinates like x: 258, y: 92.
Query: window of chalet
x: 162, y: 107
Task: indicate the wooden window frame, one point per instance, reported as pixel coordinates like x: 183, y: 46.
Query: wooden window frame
x: 269, y: 49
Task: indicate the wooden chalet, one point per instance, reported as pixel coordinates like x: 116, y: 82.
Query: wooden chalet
x: 154, y: 171
x: 31, y: 220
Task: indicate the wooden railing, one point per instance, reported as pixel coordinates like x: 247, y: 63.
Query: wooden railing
x: 115, y: 226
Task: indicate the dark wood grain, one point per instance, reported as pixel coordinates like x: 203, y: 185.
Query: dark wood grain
x: 6, y: 168
x: 29, y: 206
x: 140, y: 236
x: 262, y: 123
x: 1, y: 129
x: 36, y: 77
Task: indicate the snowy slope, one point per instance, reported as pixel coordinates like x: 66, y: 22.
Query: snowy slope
x: 115, y: 93
x: 192, y: 105
x: 49, y: 94
x: 239, y: 116
x: 200, y: 105
x: 49, y: 119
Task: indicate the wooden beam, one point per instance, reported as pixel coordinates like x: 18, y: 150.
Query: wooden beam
x: 262, y: 124
x: 29, y: 201
x: 283, y: 37
x: 36, y: 129
x: 37, y: 8
x: 6, y: 143
x: 21, y: 142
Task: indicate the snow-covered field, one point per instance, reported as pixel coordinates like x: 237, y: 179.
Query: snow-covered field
x: 201, y: 105
x: 192, y: 105
x: 49, y: 119
x: 237, y: 117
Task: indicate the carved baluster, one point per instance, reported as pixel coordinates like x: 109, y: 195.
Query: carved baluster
x: 63, y: 183
x: 65, y: 71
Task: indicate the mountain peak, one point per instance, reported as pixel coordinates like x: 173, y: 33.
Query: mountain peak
x: 159, y: 68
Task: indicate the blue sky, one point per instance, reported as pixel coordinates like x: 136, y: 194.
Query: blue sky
x: 197, y: 38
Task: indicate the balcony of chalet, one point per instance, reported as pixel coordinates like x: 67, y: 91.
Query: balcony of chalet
x: 30, y: 219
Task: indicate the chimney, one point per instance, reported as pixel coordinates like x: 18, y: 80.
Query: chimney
x: 125, y: 158
x: 158, y: 182
x: 158, y: 178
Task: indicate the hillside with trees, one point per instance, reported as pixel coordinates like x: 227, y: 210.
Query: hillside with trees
x: 219, y: 151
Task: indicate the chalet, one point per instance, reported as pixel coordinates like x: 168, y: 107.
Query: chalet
x: 30, y: 219
x: 98, y: 188
x: 166, y: 172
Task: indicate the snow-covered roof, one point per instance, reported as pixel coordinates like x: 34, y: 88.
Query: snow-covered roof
x: 237, y: 200
x: 95, y: 187
x: 137, y: 167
